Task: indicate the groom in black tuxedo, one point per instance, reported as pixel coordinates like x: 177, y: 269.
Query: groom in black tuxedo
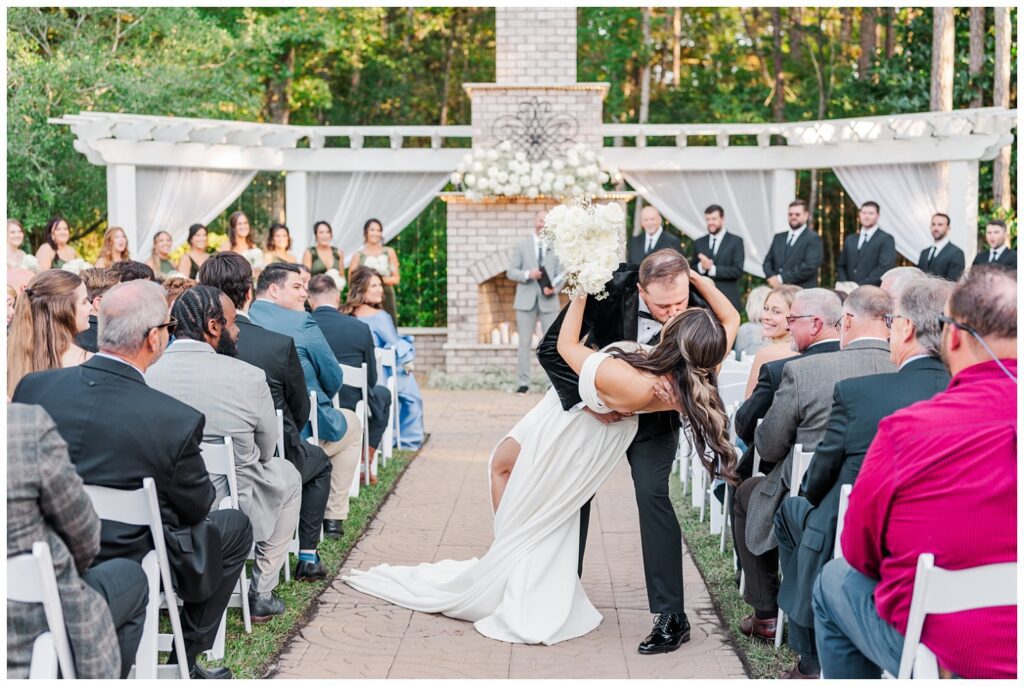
x: 641, y: 298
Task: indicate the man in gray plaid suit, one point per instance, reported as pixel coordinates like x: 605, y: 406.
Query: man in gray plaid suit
x: 104, y: 606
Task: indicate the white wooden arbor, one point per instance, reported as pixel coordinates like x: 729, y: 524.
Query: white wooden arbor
x: 125, y: 142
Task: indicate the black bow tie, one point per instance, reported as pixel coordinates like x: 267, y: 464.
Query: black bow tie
x: 646, y: 315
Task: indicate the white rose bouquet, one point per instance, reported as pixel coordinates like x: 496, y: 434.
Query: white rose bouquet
x: 29, y: 262
x: 255, y: 257
x: 339, y: 280
x: 588, y: 240
x: 76, y: 266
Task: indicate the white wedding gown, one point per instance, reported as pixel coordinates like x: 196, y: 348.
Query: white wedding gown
x: 525, y: 588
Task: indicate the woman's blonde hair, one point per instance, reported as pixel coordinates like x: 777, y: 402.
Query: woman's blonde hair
x: 755, y: 303
x: 43, y: 326
x: 107, y: 249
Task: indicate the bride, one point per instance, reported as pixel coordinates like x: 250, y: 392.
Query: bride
x: 525, y: 588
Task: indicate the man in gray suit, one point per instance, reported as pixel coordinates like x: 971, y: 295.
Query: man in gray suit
x: 199, y: 369
x: 537, y: 273
x: 798, y: 415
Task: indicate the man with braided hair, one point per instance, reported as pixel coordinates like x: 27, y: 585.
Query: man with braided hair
x: 199, y: 368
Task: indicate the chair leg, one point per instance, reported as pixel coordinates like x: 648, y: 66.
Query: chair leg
x: 146, y: 656
x: 243, y: 585
x: 780, y: 624
x: 726, y: 520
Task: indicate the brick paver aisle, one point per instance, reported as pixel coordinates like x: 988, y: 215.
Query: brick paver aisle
x: 440, y: 510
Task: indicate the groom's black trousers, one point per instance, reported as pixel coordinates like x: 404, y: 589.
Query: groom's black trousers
x: 650, y: 460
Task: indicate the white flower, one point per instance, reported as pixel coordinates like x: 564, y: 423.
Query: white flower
x: 478, y: 167
x: 480, y: 153
x: 77, y: 265
x: 483, y: 184
x: 474, y: 196
x: 532, y: 192
x: 558, y: 165
x: 545, y: 186
x: 592, y: 187
x: 339, y: 280
x: 524, y: 180
x: 589, y: 155
x: 492, y: 155
x: 520, y: 156
x: 470, y: 179
x: 467, y: 159
x: 456, y: 178
x: 254, y: 256
x: 505, y: 146
x: 29, y: 262
x: 501, y: 176
x: 558, y: 185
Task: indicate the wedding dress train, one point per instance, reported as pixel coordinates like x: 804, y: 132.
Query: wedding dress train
x: 525, y: 588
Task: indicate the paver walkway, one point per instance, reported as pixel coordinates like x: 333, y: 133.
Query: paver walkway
x: 440, y: 510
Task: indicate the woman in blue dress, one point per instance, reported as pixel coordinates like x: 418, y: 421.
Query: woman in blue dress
x: 365, y: 298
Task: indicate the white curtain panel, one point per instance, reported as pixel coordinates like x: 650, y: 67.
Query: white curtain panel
x: 681, y: 197
x: 173, y: 198
x: 347, y: 199
x: 909, y: 194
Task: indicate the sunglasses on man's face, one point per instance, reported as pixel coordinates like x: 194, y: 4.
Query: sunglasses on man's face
x: 170, y: 325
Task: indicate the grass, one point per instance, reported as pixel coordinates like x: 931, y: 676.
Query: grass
x: 253, y: 656
x: 759, y: 657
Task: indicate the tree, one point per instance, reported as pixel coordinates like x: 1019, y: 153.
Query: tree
x: 1001, y: 190
x: 943, y: 47
x: 977, y: 54
x: 867, y: 41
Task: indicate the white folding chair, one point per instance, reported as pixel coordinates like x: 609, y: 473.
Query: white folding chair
x: 844, y: 502
x: 314, y: 420
x: 756, y: 469
x: 141, y: 508
x: 386, y: 358
x: 280, y: 433
x: 801, y: 460
x: 357, y: 377
x: 31, y: 579
x: 220, y: 461
x: 940, y: 591
x: 732, y: 392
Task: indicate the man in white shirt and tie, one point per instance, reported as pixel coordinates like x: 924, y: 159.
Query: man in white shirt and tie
x: 796, y: 254
x: 720, y: 255
x: 943, y: 259
x: 869, y: 253
x: 999, y: 252
x: 653, y: 238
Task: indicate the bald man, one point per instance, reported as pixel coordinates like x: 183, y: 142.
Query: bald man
x: 654, y: 237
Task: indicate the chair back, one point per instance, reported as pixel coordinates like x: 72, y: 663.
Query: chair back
x: 757, y: 455
x: 314, y: 419
x: 355, y: 377
x: 844, y: 503
x: 280, y: 433
x: 732, y: 393
x: 220, y: 460
x: 942, y: 591
x: 385, y: 358
x: 801, y: 461
x: 31, y: 579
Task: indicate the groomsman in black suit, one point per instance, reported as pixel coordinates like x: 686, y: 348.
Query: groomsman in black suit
x: 943, y: 259
x: 999, y: 252
x: 868, y: 253
x: 720, y: 255
x: 796, y: 254
x: 654, y: 237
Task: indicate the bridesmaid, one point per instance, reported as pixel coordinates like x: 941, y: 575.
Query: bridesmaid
x: 323, y: 256
x: 381, y: 258
x: 160, y: 260
x: 279, y: 245
x: 55, y: 251
x: 18, y: 272
x: 192, y: 260
x: 114, y: 248
x: 239, y: 234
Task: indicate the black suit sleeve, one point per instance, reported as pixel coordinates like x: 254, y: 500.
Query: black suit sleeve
x: 563, y: 378
x: 698, y: 247
x: 295, y: 394
x: 190, y: 493
x: 732, y: 266
x: 827, y: 462
x: 980, y: 258
x: 841, y: 274
x: 370, y: 358
x: 955, y: 266
x: 921, y: 259
x: 807, y: 268
x: 886, y: 261
x: 756, y: 406
x: 770, y: 268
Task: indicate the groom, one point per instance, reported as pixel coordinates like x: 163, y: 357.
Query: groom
x: 640, y: 300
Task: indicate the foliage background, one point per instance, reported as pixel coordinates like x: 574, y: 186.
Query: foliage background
x: 406, y: 65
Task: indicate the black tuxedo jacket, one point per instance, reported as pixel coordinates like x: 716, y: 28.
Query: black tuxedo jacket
x: 728, y: 264
x: 275, y: 354
x: 638, y: 243
x: 756, y: 406
x: 352, y: 344
x: 948, y: 263
x: 1007, y: 258
x: 858, y: 405
x: 120, y: 431
x: 866, y: 266
x: 797, y: 265
x: 86, y: 340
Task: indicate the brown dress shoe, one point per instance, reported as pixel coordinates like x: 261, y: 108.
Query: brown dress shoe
x: 758, y: 628
x: 795, y: 673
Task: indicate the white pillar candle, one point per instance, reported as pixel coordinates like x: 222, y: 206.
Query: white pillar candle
x: 503, y: 326
x: 495, y: 337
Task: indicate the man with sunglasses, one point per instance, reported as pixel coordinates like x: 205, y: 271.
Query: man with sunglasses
x: 940, y: 477
x: 120, y: 431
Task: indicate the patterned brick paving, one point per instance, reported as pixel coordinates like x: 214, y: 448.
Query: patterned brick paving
x: 440, y: 510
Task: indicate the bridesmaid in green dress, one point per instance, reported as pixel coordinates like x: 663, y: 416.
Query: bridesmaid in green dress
x: 322, y: 255
x: 279, y: 245
x: 380, y: 258
x: 192, y: 260
x: 160, y: 261
x: 55, y: 252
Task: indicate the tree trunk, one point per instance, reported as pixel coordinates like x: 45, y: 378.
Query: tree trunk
x: 812, y: 200
x: 277, y: 107
x: 1001, y: 98
x: 645, y: 70
x: 410, y: 20
x: 677, y: 48
x: 778, y: 101
x: 867, y: 42
x: 796, y: 47
x: 942, y: 59
x: 448, y: 59
x: 890, y: 31
x: 976, y: 61
x: 846, y: 25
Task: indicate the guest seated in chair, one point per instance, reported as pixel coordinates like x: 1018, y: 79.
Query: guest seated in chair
x: 940, y: 477
x: 97, y: 282
x: 365, y: 298
x: 199, y: 369
x: 105, y: 412
x: 352, y: 343
x: 104, y: 606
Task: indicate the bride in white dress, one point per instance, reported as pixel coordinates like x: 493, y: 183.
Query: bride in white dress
x: 525, y: 588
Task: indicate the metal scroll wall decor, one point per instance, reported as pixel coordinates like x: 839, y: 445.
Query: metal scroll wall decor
x: 537, y: 130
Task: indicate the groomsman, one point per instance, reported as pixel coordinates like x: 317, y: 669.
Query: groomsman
x: 869, y: 253
x: 796, y: 254
x: 943, y: 259
x: 536, y: 272
x: 654, y: 237
x: 999, y: 252
x: 719, y: 255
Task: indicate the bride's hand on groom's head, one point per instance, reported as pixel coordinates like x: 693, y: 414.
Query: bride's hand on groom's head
x: 665, y: 391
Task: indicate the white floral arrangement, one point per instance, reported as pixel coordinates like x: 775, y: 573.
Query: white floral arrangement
x: 254, y: 256
x: 587, y: 239
x: 29, y: 262
x: 76, y: 266
x: 503, y: 171
x: 339, y: 280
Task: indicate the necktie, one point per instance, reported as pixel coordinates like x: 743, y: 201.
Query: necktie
x: 650, y: 245
x: 992, y: 256
x: 646, y: 315
x: 540, y: 255
x: 712, y: 245
x: 791, y: 240
x: 932, y: 256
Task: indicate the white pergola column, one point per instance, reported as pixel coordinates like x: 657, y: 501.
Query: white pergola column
x: 963, y: 206
x: 122, y: 209
x: 783, y: 193
x: 297, y: 209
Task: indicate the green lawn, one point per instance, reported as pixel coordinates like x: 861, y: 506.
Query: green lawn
x: 251, y: 656
x: 759, y: 657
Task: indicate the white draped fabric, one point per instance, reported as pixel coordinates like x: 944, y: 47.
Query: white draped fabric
x: 173, y: 198
x: 909, y: 195
x: 347, y: 199
x: 682, y: 196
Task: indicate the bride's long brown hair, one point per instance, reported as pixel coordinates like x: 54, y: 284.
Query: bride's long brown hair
x: 692, y: 345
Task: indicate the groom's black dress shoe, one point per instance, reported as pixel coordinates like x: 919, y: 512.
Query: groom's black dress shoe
x: 333, y: 529
x: 670, y: 631
x: 200, y: 672
x: 522, y: 389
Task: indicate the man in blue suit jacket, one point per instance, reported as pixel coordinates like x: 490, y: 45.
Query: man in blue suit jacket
x: 280, y: 299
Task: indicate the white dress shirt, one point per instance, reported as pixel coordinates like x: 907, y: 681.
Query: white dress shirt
x: 791, y: 239
x: 937, y: 248
x: 651, y: 240
x: 866, y: 235
x: 717, y: 239
x: 646, y: 328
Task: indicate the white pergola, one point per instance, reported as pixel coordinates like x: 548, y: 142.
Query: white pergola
x: 124, y: 143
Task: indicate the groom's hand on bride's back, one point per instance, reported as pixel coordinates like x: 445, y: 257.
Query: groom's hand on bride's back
x: 609, y: 418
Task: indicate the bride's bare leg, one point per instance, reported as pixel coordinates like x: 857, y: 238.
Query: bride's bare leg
x: 502, y: 462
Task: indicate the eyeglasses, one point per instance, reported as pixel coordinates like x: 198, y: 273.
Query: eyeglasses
x: 793, y: 317
x: 169, y: 325
x: 943, y: 320
x: 890, y: 318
